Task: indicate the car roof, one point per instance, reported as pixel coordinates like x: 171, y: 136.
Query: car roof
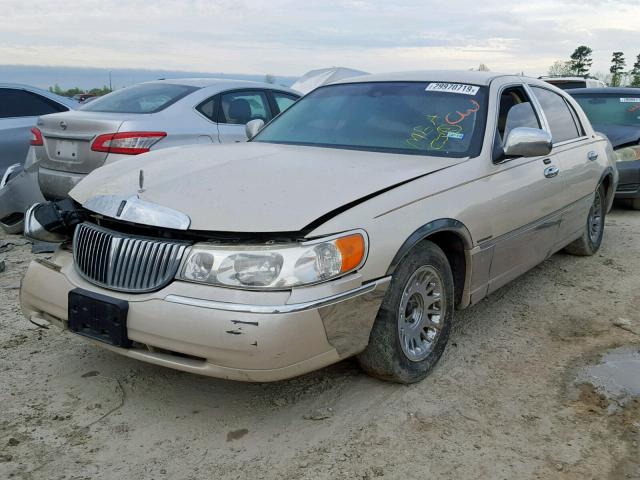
x: 68, y: 102
x: 454, y: 76
x: 561, y: 78
x: 611, y: 90
x: 222, y: 83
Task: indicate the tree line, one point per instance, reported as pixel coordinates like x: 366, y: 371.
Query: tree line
x: 75, y: 91
x: 579, y: 64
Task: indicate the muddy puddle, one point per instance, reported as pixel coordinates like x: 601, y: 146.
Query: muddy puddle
x: 616, y: 375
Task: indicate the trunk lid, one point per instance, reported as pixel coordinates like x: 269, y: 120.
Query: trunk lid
x: 67, y: 139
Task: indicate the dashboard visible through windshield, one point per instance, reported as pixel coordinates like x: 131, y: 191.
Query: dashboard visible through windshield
x: 419, y: 118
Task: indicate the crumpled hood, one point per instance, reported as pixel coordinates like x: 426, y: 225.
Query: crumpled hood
x: 255, y: 187
x: 619, y: 135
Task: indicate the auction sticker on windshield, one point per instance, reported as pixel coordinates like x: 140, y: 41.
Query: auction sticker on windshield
x: 630, y: 100
x: 452, y: 88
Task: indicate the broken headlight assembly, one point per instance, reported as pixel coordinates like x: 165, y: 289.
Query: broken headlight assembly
x: 52, y: 221
x: 628, y: 154
x: 276, y: 266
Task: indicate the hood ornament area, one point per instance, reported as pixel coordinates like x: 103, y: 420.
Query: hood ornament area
x: 141, y: 181
x: 133, y: 209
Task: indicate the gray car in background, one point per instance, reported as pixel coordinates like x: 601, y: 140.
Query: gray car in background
x: 149, y: 116
x: 20, y: 107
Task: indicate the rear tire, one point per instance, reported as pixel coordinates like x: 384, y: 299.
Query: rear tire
x: 591, y: 239
x: 412, y: 327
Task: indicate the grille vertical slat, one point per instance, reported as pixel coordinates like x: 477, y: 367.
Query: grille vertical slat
x: 123, y: 262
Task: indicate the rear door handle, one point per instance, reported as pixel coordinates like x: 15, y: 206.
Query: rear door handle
x: 551, y: 171
x: 592, y: 155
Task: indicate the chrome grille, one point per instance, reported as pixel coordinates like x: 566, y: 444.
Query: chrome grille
x: 122, y: 262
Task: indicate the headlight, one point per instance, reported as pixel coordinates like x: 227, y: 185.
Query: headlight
x: 628, y: 154
x: 275, y: 266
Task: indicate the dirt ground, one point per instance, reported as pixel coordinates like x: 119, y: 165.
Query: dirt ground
x: 503, y: 403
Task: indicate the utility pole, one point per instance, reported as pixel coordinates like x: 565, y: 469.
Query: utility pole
x: 110, y: 87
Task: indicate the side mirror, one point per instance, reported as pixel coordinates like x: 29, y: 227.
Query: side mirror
x: 527, y: 142
x: 253, y: 127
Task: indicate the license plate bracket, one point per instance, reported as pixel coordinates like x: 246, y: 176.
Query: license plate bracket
x: 67, y: 150
x: 98, y: 316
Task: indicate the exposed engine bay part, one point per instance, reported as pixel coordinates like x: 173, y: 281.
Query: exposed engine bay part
x: 52, y: 221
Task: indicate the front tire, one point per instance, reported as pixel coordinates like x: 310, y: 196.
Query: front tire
x: 412, y: 327
x: 591, y: 239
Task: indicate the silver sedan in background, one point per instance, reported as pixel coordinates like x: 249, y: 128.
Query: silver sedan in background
x: 20, y: 107
x: 148, y: 116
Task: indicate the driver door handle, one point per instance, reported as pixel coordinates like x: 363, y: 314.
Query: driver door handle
x: 551, y: 171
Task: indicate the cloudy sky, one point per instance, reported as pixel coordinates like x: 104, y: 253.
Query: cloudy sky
x: 291, y: 37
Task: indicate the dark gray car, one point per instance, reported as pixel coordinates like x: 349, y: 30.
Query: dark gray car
x: 615, y: 112
x: 20, y: 107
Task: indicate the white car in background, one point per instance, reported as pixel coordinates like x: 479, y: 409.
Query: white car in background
x: 149, y: 116
x: 567, y: 83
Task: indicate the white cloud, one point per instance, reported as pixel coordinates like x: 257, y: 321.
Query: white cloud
x: 291, y: 37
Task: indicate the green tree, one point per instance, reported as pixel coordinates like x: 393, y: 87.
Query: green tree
x: 560, y: 69
x: 635, y: 73
x: 617, y: 67
x: 581, y: 60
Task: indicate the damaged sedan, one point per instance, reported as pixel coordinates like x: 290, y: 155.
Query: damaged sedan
x: 353, y: 224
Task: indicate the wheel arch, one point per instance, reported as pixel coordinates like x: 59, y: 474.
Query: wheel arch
x: 453, y: 237
x: 607, y: 181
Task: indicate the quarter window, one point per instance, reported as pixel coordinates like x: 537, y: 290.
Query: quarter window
x: 209, y: 108
x: 561, y: 121
x: 284, y: 100
x: 239, y: 108
x: 20, y: 103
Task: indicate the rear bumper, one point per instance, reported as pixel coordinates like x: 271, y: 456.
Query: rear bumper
x: 56, y: 184
x: 629, y: 182
x: 248, y: 336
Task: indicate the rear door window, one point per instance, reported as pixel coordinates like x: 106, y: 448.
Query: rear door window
x: 20, y: 103
x: 239, y: 108
x: 143, y: 98
x: 561, y: 120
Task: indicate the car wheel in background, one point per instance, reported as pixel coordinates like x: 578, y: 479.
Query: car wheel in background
x: 413, y: 323
x: 633, y: 203
x: 591, y: 238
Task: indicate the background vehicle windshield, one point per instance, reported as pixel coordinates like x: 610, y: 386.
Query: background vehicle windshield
x: 144, y: 98
x: 609, y: 109
x: 424, y: 118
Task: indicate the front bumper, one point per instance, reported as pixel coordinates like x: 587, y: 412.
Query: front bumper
x: 221, y: 332
x: 629, y: 182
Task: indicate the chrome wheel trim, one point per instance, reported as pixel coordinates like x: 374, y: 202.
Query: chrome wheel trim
x: 421, y: 313
x: 595, y: 220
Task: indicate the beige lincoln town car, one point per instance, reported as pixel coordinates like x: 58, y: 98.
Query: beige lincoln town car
x: 353, y: 224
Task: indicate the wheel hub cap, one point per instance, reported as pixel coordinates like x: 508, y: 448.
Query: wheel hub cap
x: 595, y: 218
x: 421, y: 313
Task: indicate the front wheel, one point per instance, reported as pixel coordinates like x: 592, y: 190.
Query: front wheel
x: 413, y: 323
x: 591, y: 239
